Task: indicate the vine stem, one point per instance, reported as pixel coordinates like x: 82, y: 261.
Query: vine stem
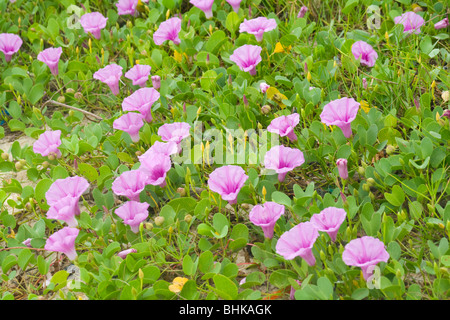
x: 73, y: 108
x: 12, y: 248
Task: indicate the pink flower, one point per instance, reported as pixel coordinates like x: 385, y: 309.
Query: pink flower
x: 247, y: 57
x: 69, y: 187
x: 342, y: 168
x: 50, y: 57
x: 258, y: 26
x: 205, y: 6
x: 411, y: 22
x: 156, y: 82
x: 139, y: 74
x: 175, y: 132
x: 284, y: 126
x: 329, y: 220
x: 266, y: 216
x: 166, y: 149
x: 48, y: 143
x: 340, y: 112
x: 93, y: 22
x: 298, y: 242
x: 363, y: 50
x: 168, y: 30
x: 441, y: 24
x: 9, y: 44
x: 65, y: 210
x: 131, y: 123
x: 130, y: 184
x: 125, y: 7
x: 123, y: 254
x: 141, y: 100
x: 133, y: 213
x: 263, y: 87
x: 110, y: 75
x: 283, y: 159
x: 302, y: 12
x: 155, y: 166
x: 235, y: 4
x: 63, y: 241
x: 227, y: 181
x: 365, y: 252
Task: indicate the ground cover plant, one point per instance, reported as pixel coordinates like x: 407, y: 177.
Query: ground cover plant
x: 245, y: 150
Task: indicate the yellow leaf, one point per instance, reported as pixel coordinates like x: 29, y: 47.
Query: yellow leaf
x: 177, y: 56
x: 280, y: 49
x: 365, y: 106
x: 275, y: 95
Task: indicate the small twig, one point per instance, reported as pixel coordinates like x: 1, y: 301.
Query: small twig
x: 73, y: 108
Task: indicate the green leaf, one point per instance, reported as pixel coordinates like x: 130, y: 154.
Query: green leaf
x: 225, y: 288
x: 360, y: 293
x: 349, y: 6
x: 397, y: 197
x: 24, y: 258
x: 232, y: 22
x: 41, y: 188
x: 88, y: 171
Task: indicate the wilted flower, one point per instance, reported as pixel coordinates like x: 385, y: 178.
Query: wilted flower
x: 235, y: 4
x: 133, y: 213
x: 441, y: 24
x: 266, y: 216
x: 292, y: 291
x: 205, y: 6
x: 63, y: 241
x: 110, y: 75
x: 138, y: 74
x: 168, y: 30
x: 411, y: 22
x: 365, y: 252
x: 130, y: 184
x: 125, y: 7
x: 175, y: 132
x: 283, y: 159
x: 342, y: 168
x: 10, y: 43
x: 263, y: 87
x: 156, y: 82
x: 298, y: 241
x: 123, y: 254
x: 363, y: 50
x: 340, y: 112
x: 141, y: 100
x: 65, y: 210
x: 227, y: 181
x: 48, y: 143
x: 258, y: 26
x: 131, y: 123
x: 302, y: 12
x: 155, y: 166
x: 329, y: 220
x: 284, y: 126
x: 247, y: 58
x: 27, y: 242
x: 93, y: 22
x: 50, y: 57
x: 68, y: 187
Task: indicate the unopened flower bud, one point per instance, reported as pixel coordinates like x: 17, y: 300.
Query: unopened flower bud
x: 156, y: 82
x: 70, y: 90
x: 170, y: 230
x: 159, y: 220
x: 45, y: 164
x: 78, y: 95
x: 361, y: 171
x: 445, y: 96
x: 148, y: 226
x: 181, y: 191
x: 5, y: 156
x: 18, y: 166
x: 188, y: 218
x: 265, y: 109
x: 390, y: 149
x: 371, y: 182
x: 342, y: 168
